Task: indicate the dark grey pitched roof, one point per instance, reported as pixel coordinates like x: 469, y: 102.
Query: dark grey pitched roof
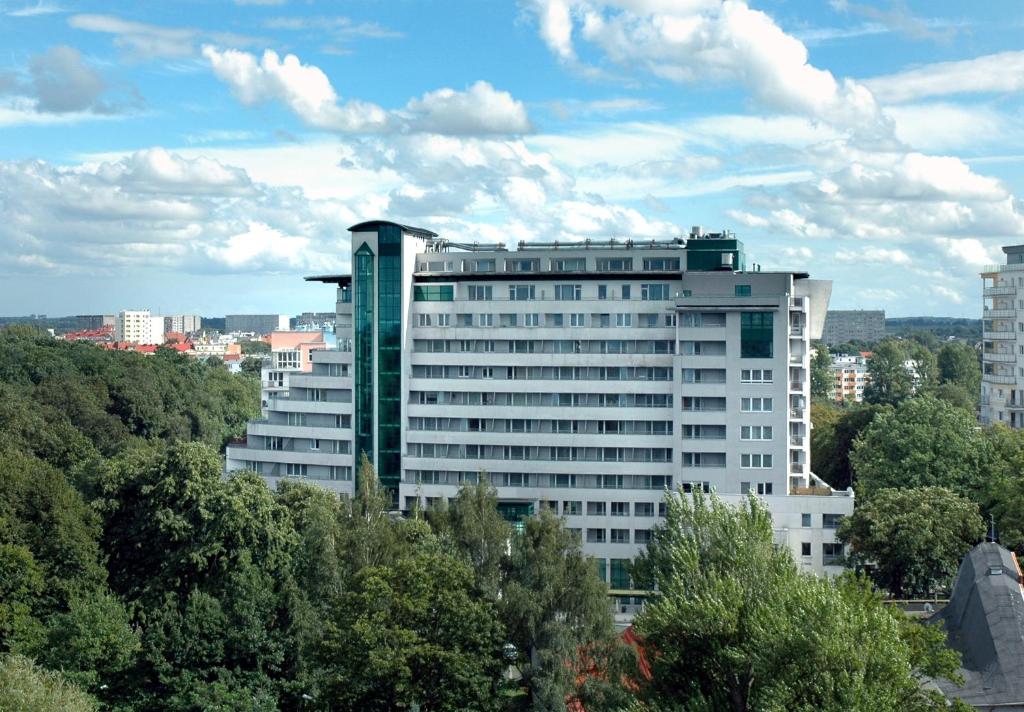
x: 985, y: 622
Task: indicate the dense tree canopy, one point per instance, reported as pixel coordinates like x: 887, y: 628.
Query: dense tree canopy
x: 834, y: 431
x: 924, y: 442
x: 737, y: 627
x: 889, y: 381
x: 913, y: 539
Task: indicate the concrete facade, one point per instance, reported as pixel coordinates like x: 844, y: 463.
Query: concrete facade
x: 1002, y: 353
x: 139, y: 327
x: 586, y: 377
x: 853, y: 325
x: 256, y: 323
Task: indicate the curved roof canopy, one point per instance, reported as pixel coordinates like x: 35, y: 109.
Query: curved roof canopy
x: 372, y: 225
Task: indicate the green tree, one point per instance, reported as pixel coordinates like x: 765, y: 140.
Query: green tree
x: 959, y: 367
x: 26, y: 687
x: 924, y: 442
x: 889, y: 382
x: 833, y: 433
x: 914, y: 538
x: 737, y: 627
x: 554, y: 606
x: 480, y: 533
x: 413, y: 631
x: 822, y: 379
x: 1002, y: 490
x: 255, y: 347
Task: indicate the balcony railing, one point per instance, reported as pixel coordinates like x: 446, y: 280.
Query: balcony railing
x: 998, y: 291
x: 999, y: 313
x: 796, y: 330
x: 812, y: 491
x: 796, y: 440
x: 993, y: 378
x: 796, y: 467
x: 1001, y: 357
x: 999, y: 334
x: 796, y: 386
x: 796, y: 412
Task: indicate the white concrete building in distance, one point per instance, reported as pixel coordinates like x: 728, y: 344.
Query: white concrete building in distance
x: 183, y: 323
x: 1002, y: 353
x: 586, y: 377
x: 139, y: 327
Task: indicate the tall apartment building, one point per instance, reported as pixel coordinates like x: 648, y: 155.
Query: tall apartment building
x: 1002, y: 353
x: 183, y: 323
x: 289, y: 353
x: 256, y: 323
x: 850, y: 374
x: 853, y: 325
x: 139, y: 327
x: 585, y: 377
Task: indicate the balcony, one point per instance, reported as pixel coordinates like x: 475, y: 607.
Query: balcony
x: 796, y: 386
x: 999, y: 313
x: 796, y: 331
x: 797, y: 303
x: 796, y: 440
x: 998, y: 291
x: 796, y: 413
x: 997, y: 335
x: 993, y: 378
x: 796, y: 468
x: 812, y: 491
x: 1001, y: 357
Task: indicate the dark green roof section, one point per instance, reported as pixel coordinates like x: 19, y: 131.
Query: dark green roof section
x: 705, y: 255
x: 374, y: 225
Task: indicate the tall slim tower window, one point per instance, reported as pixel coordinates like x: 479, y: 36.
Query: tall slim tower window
x: 363, y: 312
x: 756, y: 334
x: 389, y: 357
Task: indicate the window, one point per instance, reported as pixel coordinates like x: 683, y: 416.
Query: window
x: 805, y: 519
x: 756, y: 375
x: 521, y: 292
x: 644, y: 509
x: 620, y: 573
x: 623, y: 320
x: 314, y: 444
x: 805, y: 548
x: 577, y: 320
x: 756, y: 335
x: 831, y: 521
x: 620, y: 536
x: 423, y: 319
x: 532, y: 265
x: 315, y: 394
x: 661, y: 264
x: 626, y: 291
x: 444, y: 319
x: 596, y: 536
x: 744, y: 488
x: 641, y: 536
x: 602, y: 291
x: 574, y: 264
x: 756, y: 432
x: 764, y: 487
x: 756, y: 405
x: 484, y: 266
x: 620, y: 509
x: 295, y: 469
x: 596, y: 509
x: 274, y: 442
x: 755, y: 461
x: 569, y: 292
x: 615, y: 264
x: 487, y: 320
x: 832, y: 554
x: 653, y: 292
x: 480, y: 293
x: 572, y: 508
x: 433, y: 293
x: 296, y: 418
x: 742, y: 290
x: 531, y: 319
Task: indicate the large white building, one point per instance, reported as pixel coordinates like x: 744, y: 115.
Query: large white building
x: 139, y: 327
x: 585, y: 377
x: 1002, y: 353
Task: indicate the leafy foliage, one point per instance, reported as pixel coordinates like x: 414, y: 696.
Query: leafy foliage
x: 915, y: 538
x: 889, y: 382
x: 737, y: 627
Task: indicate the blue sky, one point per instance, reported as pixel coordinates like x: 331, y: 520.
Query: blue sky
x: 204, y: 156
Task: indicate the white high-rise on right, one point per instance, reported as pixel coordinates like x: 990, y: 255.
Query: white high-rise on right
x: 1002, y: 354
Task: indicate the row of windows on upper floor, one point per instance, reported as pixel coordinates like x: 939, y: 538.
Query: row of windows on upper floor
x: 751, y: 404
x: 648, y: 291
x: 550, y: 321
x: 539, y: 480
x: 585, y: 427
x: 593, y: 373
x: 540, y: 453
x: 520, y: 265
x: 300, y: 470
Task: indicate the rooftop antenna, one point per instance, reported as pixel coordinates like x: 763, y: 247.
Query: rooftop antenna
x: 992, y: 536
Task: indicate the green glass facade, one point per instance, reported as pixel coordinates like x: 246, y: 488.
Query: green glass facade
x: 389, y: 357
x: 363, y: 312
x: 433, y: 293
x: 756, y: 334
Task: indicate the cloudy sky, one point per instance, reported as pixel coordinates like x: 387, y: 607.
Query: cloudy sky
x: 202, y: 156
